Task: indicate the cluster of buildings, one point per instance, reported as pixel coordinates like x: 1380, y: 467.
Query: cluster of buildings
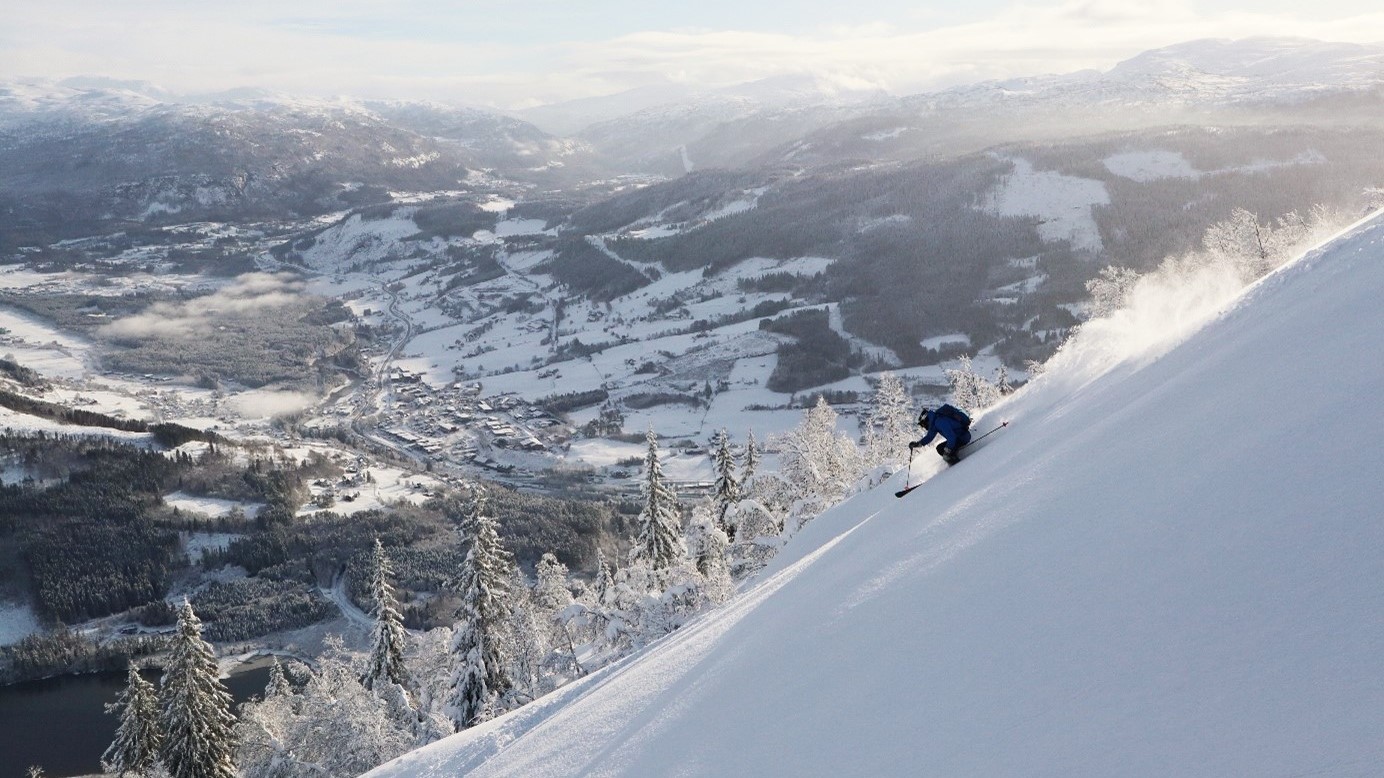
x: 456, y: 422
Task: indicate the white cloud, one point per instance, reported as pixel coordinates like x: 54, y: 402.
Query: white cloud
x: 269, y: 403
x: 372, y: 48
x: 196, y: 318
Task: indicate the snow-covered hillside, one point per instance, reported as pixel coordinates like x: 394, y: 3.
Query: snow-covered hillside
x: 1169, y: 565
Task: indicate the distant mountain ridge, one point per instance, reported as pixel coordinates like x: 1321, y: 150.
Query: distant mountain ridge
x: 753, y: 123
x: 1207, y: 72
x: 89, y: 155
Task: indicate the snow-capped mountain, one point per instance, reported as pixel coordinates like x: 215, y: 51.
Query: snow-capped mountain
x: 672, y: 129
x: 500, y: 141
x: 1259, y: 68
x: 786, y: 91
x: 678, y: 129
x: 1203, y: 72
x: 78, y: 154
x: 1248, y: 81
x: 1167, y: 565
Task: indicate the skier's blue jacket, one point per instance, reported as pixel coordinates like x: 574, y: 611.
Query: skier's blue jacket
x: 948, y: 425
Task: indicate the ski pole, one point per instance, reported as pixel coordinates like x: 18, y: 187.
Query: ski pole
x: 909, y: 479
x: 1001, y: 426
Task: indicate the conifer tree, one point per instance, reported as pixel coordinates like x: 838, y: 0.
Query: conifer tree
x: 278, y: 685
x: 604, y: 584
x: 552, y: 593
x: 658, y: 544
x: 135, y: 748
x: 890, y: 423
x: 969, y: 389
x: 727, y: 488
x: 709, y: 548
x: 387, y: 651
x: 751, y: 465
x: 196, y: 714
x: 527, y: 643
x: 479, y: 673
x: 1002, y: 384
x: 817, y: 463
x: 551, y: 590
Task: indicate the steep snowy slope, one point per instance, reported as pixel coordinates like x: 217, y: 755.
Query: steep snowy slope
x: 1171, y: 564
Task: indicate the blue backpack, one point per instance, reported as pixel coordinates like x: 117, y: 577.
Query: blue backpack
x: 955, y: 414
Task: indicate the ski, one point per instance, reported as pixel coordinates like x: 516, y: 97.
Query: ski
x: 906, y: 490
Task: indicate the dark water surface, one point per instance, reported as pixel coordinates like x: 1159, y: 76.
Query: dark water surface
x: 61, y: 725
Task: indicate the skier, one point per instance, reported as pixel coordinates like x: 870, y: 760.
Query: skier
x: 952, y: 424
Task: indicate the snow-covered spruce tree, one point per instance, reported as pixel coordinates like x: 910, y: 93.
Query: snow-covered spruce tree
x: 817, y: 463
x: 278, y: 685
x: 727, y: 487
x: 596, y: 620
x: 758, y: 538
x: 430, y: 665
x: 135, y: 748
x: 196, y: 719
x: 479, y: 675
x: 604, y: 584
x: 525, y: 644
x: 890, y: 423
x: 333, y: 727
x: 551, y: 590
x: 552, y: 594
x: 265, y: 730
x: 1002, y: 384
x: 386, y: 663
x: 708, y: 547
x: 751, y: 465
x: 970, y: 391
x: 658, y: 545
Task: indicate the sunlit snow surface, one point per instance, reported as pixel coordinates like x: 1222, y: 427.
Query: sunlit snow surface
x: 1062, y: 203
x: 1170, y: 564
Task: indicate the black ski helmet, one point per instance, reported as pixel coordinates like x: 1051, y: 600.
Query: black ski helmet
x: 922, y: 419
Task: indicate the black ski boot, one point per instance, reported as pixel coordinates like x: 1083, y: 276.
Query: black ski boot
x: 948, y: 454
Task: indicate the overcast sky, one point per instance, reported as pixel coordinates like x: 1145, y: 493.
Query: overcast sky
x: 516, y: 53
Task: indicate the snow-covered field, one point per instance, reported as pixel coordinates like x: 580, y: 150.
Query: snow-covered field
x: 16, y: 623
x: 1154, y: 164
x: 211, y: 507
x: 197, y: 544
x: 42, y: 347
x: 1101, y: 590
x: 1145, y: 166
x: 1062, y: 203
x: 30, y: 424
x: 359, y: 241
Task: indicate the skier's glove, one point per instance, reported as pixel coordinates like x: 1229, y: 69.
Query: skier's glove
x: 914, y: 444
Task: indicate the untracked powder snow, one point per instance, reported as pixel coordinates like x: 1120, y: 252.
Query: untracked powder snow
x: 1171, y: 563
